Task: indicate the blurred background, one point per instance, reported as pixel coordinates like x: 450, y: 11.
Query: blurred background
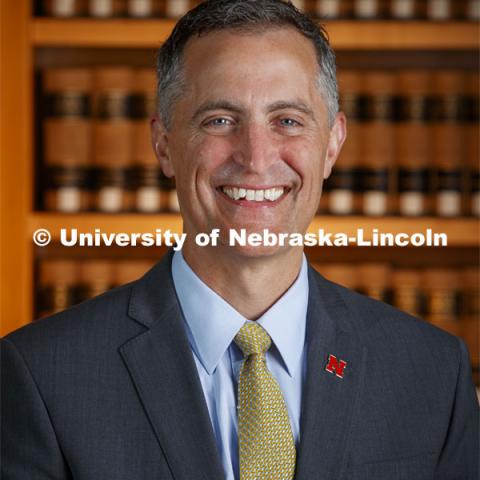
x: 78, y: 88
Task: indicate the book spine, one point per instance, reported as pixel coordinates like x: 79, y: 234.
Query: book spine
x: 370, y: 9
x: 473, y: 10
x: 176, y: 8
x: 375, y: 280
x: 442, y: 291
x: 64, y: 8
x: 125, y: 271
x: 407, y: 294
x: 334, y: 9
x: 439, y: 9
x: 342, y: 273
x: 148, y: 175
x: 328, y: 9
x: 413, y: 147
x: 113, y: 139
x: 95, y: 278
x: 67, y: 139
x: 143, y: 8
x: 447, y: 144
x: 107, y: 8
x: 470, y: 320
x: 341, y: 192
x: 377, y: 142
x: 404, y: 9
x: 58, y: 286
x: 472, y: 142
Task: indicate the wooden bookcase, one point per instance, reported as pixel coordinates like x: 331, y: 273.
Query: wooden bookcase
x: 22, y: 36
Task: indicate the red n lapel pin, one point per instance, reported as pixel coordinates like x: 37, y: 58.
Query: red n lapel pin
x: 335, y: 366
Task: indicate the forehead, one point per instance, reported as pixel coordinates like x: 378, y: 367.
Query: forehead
x: 281, y: 51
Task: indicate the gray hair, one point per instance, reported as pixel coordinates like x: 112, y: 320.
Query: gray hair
x: 245, y: 16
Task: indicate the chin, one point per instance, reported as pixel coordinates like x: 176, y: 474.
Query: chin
x: 249, y: 251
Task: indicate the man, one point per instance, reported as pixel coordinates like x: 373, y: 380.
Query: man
x: 238, y: 361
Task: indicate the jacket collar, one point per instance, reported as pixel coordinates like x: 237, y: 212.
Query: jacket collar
x: 162, y: 368
x: 328, y: 401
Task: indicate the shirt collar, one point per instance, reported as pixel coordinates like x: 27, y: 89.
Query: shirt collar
x: 213, y: 323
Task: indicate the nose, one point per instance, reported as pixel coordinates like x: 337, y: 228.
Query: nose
x: 256, y: 150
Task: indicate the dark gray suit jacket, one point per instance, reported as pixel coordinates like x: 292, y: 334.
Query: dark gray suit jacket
x: 109, y: 390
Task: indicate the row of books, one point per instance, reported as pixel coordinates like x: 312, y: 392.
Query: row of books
x: 147, y: 190
x: 437, y: 10
x: 66, y: 282
x: 412, y: 146
x: 446, y: 297
x: 96, y: 146
x: 436, y: 294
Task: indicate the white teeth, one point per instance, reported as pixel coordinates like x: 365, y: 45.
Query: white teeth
x: 278, y: 193
x: 251, y: 195
x: 259, y: 195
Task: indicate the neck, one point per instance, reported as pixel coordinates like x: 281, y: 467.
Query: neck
x: 249, y: 284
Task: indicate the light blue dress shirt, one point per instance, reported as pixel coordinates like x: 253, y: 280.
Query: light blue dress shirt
x: 212, y: 324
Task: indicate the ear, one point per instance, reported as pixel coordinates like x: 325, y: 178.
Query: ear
x: 338, y: 133
x: 159, y: 137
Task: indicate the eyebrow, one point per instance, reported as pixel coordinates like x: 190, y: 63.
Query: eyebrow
x: 232, y: 107
x: 295, y: 105
x: 216, y: 105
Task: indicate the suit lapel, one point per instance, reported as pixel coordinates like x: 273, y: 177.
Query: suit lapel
x: 162, y: 367
x: 328, y: 401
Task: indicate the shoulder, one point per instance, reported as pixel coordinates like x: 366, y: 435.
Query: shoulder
x: 94, y: 330
x: 88, y: 326
x: 389, y: 331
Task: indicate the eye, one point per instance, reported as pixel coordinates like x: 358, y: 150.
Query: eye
x: 219, y: 122
x: 289, y: 122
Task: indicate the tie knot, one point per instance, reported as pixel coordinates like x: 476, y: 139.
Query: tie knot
x: 252, y: 338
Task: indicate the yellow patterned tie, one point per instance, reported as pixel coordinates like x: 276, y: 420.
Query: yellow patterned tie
x: 267, y: 448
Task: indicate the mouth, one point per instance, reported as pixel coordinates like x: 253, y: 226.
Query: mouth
x: 249, y: 196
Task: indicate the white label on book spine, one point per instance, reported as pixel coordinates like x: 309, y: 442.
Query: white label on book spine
x: 473, y: 10
x: 340, y: 201
x: 110, y: 199
x: 177, y: 8
x: 476, y: 204
x: 63, y: 8
x: 412, y: 204
x: 366, y: 8
x: 448, y: 204
x: 101, y: 8
x: 328, y: 8
x: 148, y: 199
x: 438, y: 9
x: 375, y: 203
x: 140, y: 8
x: 300, y: 4
x: 69, y: 199
x: 403, y: 8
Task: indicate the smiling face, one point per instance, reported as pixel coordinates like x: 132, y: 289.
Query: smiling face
x: 249, y: 143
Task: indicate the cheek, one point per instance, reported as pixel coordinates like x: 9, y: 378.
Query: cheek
x: 307, y: 160
x: 198, y: 165
x: 211, y: 156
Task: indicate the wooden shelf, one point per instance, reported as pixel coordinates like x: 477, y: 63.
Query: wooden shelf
x: 460, y: 232
x: 25, y: 40
x: 345, y: 35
